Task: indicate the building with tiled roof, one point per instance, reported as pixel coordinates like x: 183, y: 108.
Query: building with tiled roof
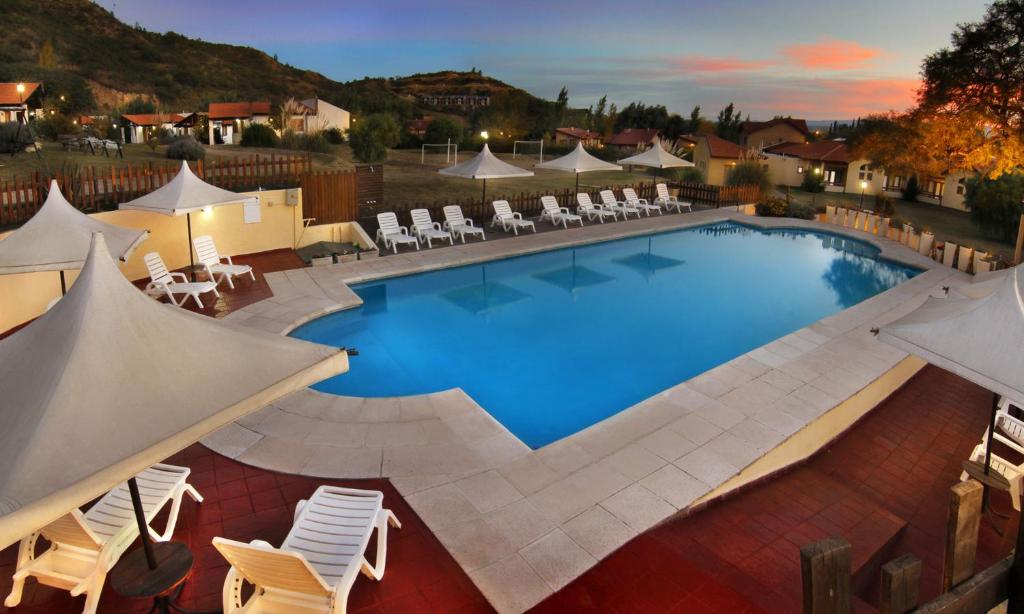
x: 715, y: 157
x: 632, y: 140
x: 772, y: 132
x: 228, y: 119
x: 315, y: 115
x: 569, y: 137
x: 15, y: 105
x: 137, y: 126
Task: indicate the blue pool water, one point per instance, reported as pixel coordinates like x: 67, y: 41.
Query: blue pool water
x: 551, y: 343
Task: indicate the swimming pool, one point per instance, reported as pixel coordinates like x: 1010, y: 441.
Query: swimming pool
x: 551, y: 343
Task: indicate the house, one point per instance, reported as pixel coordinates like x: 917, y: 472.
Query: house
x: 418, y: 127
x: 17, y: 100
x: 230, y: 118
x: 138, y: 126
x: 465, y: 101
x: 632, y: 140
x: 715, y: 157
x: 944, y: 190
x: 317, y: 115
x: 569, y: 137
x: 758, y: 135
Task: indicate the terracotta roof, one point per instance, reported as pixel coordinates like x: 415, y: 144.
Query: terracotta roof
x: 798, y: 124
x: 687, y: 139
x: 9, y: 93
x: 418, y: 125
x: 721, y: 148
x: 578, y: 133
x: 821, y: 151
x: 633, y: 136
x: 85, y: 120
x: 155, y: 119
x: 238, y: 110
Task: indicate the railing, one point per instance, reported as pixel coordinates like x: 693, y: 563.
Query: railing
x: 92, y: 189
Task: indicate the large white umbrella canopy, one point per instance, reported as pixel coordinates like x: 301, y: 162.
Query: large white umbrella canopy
x: 655, y: 157
x: 485, y: 165
x: 183, y: 195
x: 579, y: 161
x: 58, y: 236
x: 110, y: 381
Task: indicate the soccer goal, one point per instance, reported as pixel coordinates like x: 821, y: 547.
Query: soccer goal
x: 518, y: 147
x: 451, y: 151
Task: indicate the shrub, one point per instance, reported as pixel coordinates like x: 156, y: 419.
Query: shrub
x: 334, y: 136
x: 772, y: 206
x: 801, y: 211
x: 441, y: 129
x: 185, y: 148
x: 52, y: 126
x: 371, y: 138
x: 995, y: 204
x: 689, y: 174
x: 315, y: 142
x: 884, y: 206
x: 14, y: 137
x: 912, y: 189
x: 750, y: 172
x: 812, y: 182
x: 259, y: 135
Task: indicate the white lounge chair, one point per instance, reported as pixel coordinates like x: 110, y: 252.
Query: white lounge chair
x: 588, y: 208
x: 316, y: 566
x: 84, y: 547
x: 504, y: 215
x: 426, y: 229
x: 999, y: 465
x: 164, y: 282
x: 391, y: 234
x: 460, y: 225
x: 609, y: 202
x: 557, y: 215
x: 211, y: 260
x: 629, y: 194
x: 666, y: 199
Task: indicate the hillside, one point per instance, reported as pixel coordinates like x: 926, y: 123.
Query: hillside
x: 73, y: 43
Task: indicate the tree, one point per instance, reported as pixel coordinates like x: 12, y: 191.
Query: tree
x: 440, y: 129
x: 371, y: 137
x: 674, y: 127
x: 694, y: 125
x: 750, y: 172
x: 47, y: 56
x: 728, y: 126
x: 597, y: 118
x: 138, y: 105
x: 561, y: 104
x: 995, y: 204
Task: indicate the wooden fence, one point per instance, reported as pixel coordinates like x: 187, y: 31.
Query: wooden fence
x: 92, y: 189
x: 330, y: 197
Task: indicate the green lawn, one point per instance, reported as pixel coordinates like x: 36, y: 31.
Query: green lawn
x: 947, y: 224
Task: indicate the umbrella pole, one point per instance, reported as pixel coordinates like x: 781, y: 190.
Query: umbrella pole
x: 577, y: 183
x: 140, y: 518
x: 191, y: 262
x: 988, y: 447
x: 63, y: 284
x: 483, y: 194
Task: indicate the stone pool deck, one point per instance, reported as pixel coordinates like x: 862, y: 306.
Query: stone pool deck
x: 524, y: 523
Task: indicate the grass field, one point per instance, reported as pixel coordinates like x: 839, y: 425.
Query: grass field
x: 947, y: 224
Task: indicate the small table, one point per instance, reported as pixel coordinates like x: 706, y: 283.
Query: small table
x: 991, y: 480
x: 133, y: 578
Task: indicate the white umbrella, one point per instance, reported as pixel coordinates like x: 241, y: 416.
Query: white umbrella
x: 485, y: 165
x: 656, y: 157
x: 57, y: 238
x: 579, y: 161
x: 183, y: 195
x: 109, y: 382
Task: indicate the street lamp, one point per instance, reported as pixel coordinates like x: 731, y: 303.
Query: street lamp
x: 484, y: 135
x: 24, y: 114
x: 863, y: 186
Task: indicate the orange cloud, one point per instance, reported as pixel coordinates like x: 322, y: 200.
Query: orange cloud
x: 708, y: 64
x: 841, y: 97
x: 831, y: 54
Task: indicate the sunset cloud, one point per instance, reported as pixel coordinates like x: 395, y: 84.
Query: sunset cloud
x: 703, y: 63
x: 831, y: 54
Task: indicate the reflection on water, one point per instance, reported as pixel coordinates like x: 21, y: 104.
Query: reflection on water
x: 484, y: 297
x: 573, y: 278
x: 871, y: 279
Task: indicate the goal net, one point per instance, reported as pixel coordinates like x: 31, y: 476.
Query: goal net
x: 449, y: 150
x: 528, y: 148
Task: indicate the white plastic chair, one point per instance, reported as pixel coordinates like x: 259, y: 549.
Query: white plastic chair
x: 629, y: 194
x: 588, y: 208
x: 504, y: 215
x: 84, y: 547
x: 316, y: 566
x: 1012, y: 473
x: 426, y: 229
x: 557, y: 215
x: 211, y: 260
x: 391, y: 234
x: 949, y: 253
x: 666, y: 199
x: 609, y: 202
x: 165, y: 282
x: 460, y: 225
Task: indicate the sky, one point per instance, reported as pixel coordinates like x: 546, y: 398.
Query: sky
x: 818, y: 59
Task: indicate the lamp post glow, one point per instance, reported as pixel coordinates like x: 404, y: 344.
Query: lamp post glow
x: 484, y: 135
x: 863, y: 186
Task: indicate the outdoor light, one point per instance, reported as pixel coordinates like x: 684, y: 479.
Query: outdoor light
x: 62, y: 97
x: 21, y: 88
x: 817, y: 171
x: 484, y: 135
x: 863, y: 185
x: 113, y: 125
x: 207, y: 211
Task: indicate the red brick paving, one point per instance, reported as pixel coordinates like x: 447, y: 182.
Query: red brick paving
x: 245, y: 503
x: 884, y: 486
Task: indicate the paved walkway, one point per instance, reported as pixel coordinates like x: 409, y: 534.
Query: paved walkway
x: 524, y: 523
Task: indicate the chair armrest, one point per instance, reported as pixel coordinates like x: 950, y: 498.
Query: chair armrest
x: 228, y: 258
x: 179, y: 275
x: 564, y: 210
x: 437, y: 225
x: 468, y: 222
x: 403, y: 230
x: 516, y: 215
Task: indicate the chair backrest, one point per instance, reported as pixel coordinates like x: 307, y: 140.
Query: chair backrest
x: 388, y: 222
x: 630, y: 195
x: 268, y: 567
x: 206, y: 251
x: 549, y: 203
x: 453, y: 215
x: 502, y: 208
x: 72, y: 530
x: 963, y: 259
x: 157, y: 269
x: 608, y: 197
x: 949, y: 254
x: 662, y: 191
x: 584, y: 200
x: 421, y: 217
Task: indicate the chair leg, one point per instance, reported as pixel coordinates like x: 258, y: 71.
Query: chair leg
x: 195, y: 296
x: 14, y: 598
x: 384, y: 519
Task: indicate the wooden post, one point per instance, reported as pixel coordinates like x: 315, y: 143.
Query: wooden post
x: 961, y: 533
x: 825, y: 569
x: 1020, y: 241
x: 901, y: 579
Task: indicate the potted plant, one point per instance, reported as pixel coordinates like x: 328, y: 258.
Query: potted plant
x: 321, y: 259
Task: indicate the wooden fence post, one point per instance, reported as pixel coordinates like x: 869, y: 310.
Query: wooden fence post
x: 825, y: 569
x: 901, y: 580
x: 961, y: 533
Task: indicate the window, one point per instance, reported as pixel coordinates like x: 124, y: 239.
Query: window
x: 799, y: 170
x: 961, y: 186
x: 936, y: 186
x: 866, y: 173
x: 831, y: 177
x: 895, y: 182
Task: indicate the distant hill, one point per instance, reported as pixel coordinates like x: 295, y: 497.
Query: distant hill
x: 70, y: 43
